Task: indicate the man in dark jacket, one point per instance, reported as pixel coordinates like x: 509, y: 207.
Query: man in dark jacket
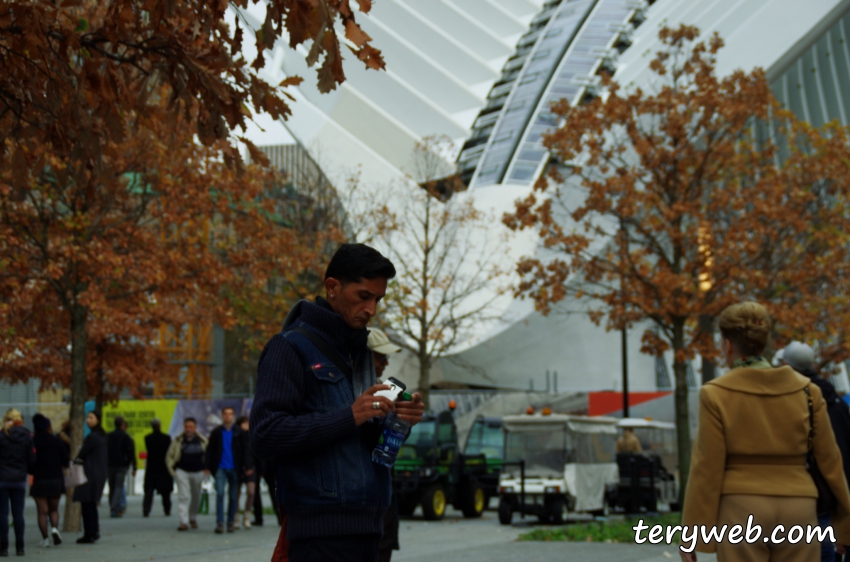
x: 228, y: 460
x: 801, y: 358
x: 157, y: 477
x: 316, y: 411
x: 122, y: 458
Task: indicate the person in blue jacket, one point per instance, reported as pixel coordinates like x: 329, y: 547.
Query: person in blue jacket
x: 315, y: 411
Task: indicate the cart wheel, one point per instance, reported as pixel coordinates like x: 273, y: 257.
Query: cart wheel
x: 474, y: 501
x: 506, y: 512
x: 559, y: 512
x: 434, y: 503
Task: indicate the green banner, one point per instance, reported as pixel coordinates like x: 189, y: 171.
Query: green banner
x: 139, y: 414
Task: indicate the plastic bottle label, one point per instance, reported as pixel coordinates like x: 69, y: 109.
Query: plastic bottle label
x: 390, y: 441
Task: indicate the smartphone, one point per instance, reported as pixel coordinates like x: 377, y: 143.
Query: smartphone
x: 396, y: 388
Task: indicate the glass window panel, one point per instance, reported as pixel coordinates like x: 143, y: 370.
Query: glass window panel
x: 532, y: 154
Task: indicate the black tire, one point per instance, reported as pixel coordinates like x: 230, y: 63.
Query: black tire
x: 434, y: 503
x: 473, y: 501
x: 559, y: 512
x: 506, y: 512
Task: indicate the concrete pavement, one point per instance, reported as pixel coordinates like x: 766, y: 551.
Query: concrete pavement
x: 135, y: 539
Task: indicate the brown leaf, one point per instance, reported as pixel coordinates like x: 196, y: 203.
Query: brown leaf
x: 355, y: 34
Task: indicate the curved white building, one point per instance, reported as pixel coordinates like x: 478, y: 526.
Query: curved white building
x: 487, y: 70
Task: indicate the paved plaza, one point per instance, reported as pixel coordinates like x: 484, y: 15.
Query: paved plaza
x: 133, y: 538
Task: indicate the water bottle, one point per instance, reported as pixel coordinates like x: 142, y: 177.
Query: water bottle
x: 391, y: 439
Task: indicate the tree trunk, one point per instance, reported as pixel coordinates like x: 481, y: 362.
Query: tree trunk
x: 425, y: 379
x: 79, y: 315
x: 101, y: 383
x: 683, y: 425
x: 706, y: 324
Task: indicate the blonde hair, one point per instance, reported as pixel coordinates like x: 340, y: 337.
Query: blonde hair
x: 12, y: 415
x: 747, y: 326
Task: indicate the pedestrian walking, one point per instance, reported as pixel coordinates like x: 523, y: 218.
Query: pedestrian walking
x: 94, y: 457
x: 265, y: 473
x: 48, y: 482
x: 249, y: 477
x: 226, y: 462
x: 17, y: 456
x: 801, y: 358
x: 382, y: 348
x: 185, y: 462
x: 157, y: 477
x: 316, y: 412
x: 122, y: 459
x: 756, y: 426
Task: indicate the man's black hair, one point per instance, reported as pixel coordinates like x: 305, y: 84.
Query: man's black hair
x: 353, y: 262
x: 193, y: 420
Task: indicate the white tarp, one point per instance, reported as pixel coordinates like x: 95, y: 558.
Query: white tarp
x: 587, y: 483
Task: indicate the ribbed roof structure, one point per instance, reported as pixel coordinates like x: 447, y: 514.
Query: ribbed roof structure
x: 485, y: 72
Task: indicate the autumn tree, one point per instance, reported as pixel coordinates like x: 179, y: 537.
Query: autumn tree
x: 307, y: 204
x: 72, y: 69
x: 77, y: 82
x: 322, y: 216
x: 446, y: 260
x: 101, y: 265
x: 668, y: 205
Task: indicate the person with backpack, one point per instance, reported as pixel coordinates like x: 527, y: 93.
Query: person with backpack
x: 801, y: 358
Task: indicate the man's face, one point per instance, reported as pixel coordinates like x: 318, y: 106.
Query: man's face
x: 227, y: 417
x: 381, y: 362
x: 189, y: 428
x: 356, y: 302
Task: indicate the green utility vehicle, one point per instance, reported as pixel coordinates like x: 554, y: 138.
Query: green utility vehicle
x: 485, y: 438
x: 430, y: 470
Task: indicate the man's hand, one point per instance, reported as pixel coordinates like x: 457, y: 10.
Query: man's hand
x: 206, y: 473
x: 249, y: 472
x: 688, y: 556
x: 134, y: 472
x: 412, y: 411
x: 840, y: 548
x: 363, y: 409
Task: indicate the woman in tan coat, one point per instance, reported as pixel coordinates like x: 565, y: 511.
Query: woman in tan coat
x: 750, y: 452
